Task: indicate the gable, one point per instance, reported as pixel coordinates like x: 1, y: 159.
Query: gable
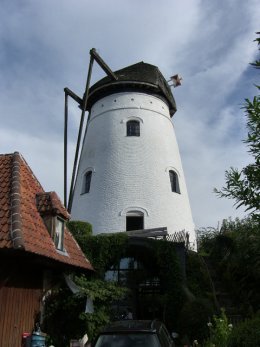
x: 21, y: 224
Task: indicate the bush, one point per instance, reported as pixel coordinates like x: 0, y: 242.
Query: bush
x: 194, y: 317
x: 219, y: 331
x: 105, y: 250
x: 64, y: 317
x: 61, y: 316
x: 234, y: 251
x: 198, y: 280
x: 246, y: 334
x: 80, y: 230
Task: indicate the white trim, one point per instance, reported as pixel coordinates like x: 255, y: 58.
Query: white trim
x: 169, y: 168
x: 90, y: 168
x: 134, y: 209
x: 64, y: 252
x: 134, y: 213
x: 127, y: 119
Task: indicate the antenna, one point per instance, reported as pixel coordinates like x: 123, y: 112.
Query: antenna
x: 175, y: 80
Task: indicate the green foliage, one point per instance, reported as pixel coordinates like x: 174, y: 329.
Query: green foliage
x: 99, y: 291
x: 219, y: 331
x: 61, y: 316
x: 159, y: 257
x: 206, y: 239
x: 103, y: 294
x: 80, y: 230
x: 198, y: 280
x: 256, y: 64
x: 246, y: 334
x: 64, y: 314
x: 244, y: 185
x: 171, y: 279
x: 241, y: 267
x: 194, y: 317
x: 234, y: 251
x: 94, y: 321
x: 104, y: 250
x: 160, y: 260
x: 222, y: 334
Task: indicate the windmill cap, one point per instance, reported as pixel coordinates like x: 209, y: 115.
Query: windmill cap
x: 140, y: 77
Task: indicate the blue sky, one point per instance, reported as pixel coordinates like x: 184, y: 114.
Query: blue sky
x: 44, y: 47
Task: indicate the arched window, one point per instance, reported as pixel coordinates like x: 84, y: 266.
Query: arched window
x: 133, y: 128
x: 174, y: 182
x: 86, y: 182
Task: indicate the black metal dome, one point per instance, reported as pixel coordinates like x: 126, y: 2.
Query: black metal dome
x: 141, y: 77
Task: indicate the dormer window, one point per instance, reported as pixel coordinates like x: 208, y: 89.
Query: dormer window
x: 54, y: 216
x: 59, y: 233
x: 133, y: 128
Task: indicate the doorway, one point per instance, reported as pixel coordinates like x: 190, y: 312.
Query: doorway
x: 134, y: 221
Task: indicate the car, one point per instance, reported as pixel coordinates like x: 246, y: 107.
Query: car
x: 137, y: 333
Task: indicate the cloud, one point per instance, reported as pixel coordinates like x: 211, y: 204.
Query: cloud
x: 44, y: 47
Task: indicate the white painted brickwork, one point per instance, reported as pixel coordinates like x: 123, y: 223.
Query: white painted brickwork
x: 131, y: 173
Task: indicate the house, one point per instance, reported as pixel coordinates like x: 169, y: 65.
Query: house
x: 36, y: 248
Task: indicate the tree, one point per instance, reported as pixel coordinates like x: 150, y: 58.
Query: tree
x: 244, y: 185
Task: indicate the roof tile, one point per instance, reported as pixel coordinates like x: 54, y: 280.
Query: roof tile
x: 49, y: 203
x: 36, y: 238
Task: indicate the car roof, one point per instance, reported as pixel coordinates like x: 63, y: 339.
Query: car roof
x: 132, y: 326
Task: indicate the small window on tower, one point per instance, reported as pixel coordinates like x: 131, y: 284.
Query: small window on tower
x: 174, y: 182
x: 133, y: 128
x: 86, y: 182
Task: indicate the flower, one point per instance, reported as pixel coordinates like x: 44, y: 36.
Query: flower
x: 230, y: 326
x: 209, y: 324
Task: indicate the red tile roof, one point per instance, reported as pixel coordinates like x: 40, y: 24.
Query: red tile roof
x: 49, y: 203
x: 21, y: 224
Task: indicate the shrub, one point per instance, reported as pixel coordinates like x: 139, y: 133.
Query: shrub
x: 194, y: 317
x: 61, y: 316
x: 198, y: 280
x: 246, y: 334
x: 80, y: 230
x: 219, y: 331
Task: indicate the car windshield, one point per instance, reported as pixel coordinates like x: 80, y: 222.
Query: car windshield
x: 128, y: 340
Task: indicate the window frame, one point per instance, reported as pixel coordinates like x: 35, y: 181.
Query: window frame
x: 87, y: 177
x: 60, y: 244
x: 174, y: 181
x: 134, y: 214
x: 119, y: 271
x: 133, y: 128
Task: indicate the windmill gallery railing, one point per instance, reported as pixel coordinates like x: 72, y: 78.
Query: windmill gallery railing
x: 161, y: 233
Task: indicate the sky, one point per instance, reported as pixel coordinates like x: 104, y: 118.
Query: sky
x: 44, y: 47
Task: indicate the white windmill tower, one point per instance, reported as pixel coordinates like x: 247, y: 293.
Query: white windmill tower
x: 130, y: 175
